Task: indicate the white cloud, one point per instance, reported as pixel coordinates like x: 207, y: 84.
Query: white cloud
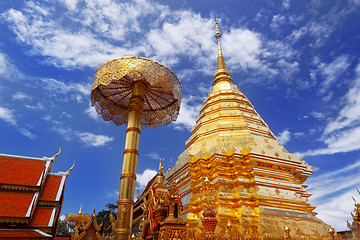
x: 3, y: 64
x: 297, y: 34
x: 55, y: 86
x: 277, y: 21
x: 65, y: 114
x: 7, y: 115
x: 333, y: 192
x: 321, y: 28
x: 70, y: 4
x: 20, y: 96
x: 97, y: 35
x: 188, y: 113
x: 91, y: 112
x: 27, y: 133
x: 355, y: 2
x: 188, y: 34
x: 350, y: 114
x: 342, y: 134
x: 242, y: 48
x: 333, y: 71
x: 284, y: 137
x: 286, y: 4
x: 79, y: 46
x: 38, y: 106
x: 89, y: 139
x: 317, y: 115
x: 7, y: 69
x: 152, y: 155
x: 143, y: 178
x: 78, y: 92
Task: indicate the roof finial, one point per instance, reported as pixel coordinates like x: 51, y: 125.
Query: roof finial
x: 56, y: 155
x: 70, y: 169
x: 221, y: 74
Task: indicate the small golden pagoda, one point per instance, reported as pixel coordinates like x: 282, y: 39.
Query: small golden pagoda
x: 86, y: 226
x: 258, y: 189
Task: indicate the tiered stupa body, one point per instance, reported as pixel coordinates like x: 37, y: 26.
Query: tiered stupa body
x: 258, y: 184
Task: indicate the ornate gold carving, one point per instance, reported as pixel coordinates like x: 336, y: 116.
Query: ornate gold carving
x: 88, y: 224
x: 112, y: 88
x: 13, y: 220
x: 21, y: 188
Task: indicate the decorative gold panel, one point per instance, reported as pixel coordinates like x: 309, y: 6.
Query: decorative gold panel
x: 113, y: 86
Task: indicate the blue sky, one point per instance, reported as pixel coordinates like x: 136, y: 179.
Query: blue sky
x: 297, y: 61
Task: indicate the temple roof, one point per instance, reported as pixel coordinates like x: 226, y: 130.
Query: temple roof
x: 23, y: 171
x: 30, y: 196
x: 23, y: 233
x: 53, y: 187
x: 16, y: 204
x: 43, y: 217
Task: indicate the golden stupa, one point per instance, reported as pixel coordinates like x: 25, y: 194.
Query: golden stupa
x: 257, y: 185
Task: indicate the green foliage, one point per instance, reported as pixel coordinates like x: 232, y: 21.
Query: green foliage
x: 64, y: 229
x: 103, y: 216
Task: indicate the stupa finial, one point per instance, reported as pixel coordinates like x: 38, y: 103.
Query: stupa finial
x: 222, y: 73
x: 80, y: 211
x: 217, y: 29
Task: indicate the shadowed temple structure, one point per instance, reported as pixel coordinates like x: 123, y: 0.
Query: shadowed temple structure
x: 236, y: 174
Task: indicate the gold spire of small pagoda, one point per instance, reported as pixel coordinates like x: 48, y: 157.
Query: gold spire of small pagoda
x: 80, y: 211
x: 222, y: 73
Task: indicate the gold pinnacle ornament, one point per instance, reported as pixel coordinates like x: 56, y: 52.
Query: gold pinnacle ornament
x: 140, y: 93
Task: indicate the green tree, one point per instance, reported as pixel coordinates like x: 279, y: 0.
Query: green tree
x: 103, y: 216
x: 64, y: 229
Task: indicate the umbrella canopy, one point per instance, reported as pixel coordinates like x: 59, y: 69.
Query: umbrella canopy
x: 113, y: 86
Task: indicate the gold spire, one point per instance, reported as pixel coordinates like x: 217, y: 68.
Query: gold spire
x: 160, y: 165
x: 222, y: 73
x: 80, y: 211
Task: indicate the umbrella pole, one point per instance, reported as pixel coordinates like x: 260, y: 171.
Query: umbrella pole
x: 128, y: 177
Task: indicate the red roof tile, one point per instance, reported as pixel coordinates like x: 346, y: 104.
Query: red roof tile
x: 41, y: 217
x: 22, y: 233
x: 21, y: 171
x: 50, y: 188
x: 15, y: 204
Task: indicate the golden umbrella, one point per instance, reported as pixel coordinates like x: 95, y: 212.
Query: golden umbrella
x: 141, y: 93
